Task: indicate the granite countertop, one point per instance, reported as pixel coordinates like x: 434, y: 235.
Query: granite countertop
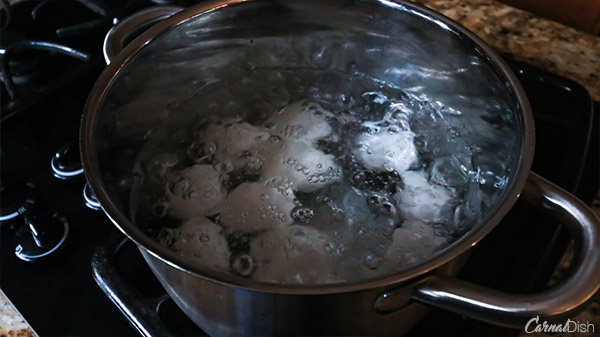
x: 524, y: 36
x: 546, y: 44
x: 12, y: 323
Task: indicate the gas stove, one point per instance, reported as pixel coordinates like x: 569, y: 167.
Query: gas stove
x: 69, y: 271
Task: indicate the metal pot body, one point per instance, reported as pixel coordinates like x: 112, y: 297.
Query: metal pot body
x: 151, y: 81
x: 223, y: 310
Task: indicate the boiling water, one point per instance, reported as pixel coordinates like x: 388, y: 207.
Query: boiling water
x: 305, y: 176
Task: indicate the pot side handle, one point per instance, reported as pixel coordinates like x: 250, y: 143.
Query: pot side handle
x: 125, y: 31
x: 515, y: 310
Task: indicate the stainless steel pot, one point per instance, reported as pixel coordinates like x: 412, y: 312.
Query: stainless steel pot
x: 226, y: 305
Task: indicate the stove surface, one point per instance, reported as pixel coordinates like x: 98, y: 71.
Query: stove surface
x: 41, y: 109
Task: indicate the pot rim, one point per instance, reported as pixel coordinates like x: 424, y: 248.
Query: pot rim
x: 469, y: 239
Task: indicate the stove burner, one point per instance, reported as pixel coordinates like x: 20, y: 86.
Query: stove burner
x: 14, y: 201
x: 66, y: 164
x: 20, y: 100
x: 104, y: 20
x: 90, y: 198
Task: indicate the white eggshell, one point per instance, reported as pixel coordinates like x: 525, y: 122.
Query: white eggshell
x: 307, y: 168
x: 301, y: 121
x: 201, y: 241
x: 253, y: 206
x: 233, y: 140
x: 292, y: 255
x: 386, y: 151
x: 193, y: 191
x: 412, y: 243
x: 421, y: 200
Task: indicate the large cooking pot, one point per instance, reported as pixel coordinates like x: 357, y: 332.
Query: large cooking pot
x: 175, y: 57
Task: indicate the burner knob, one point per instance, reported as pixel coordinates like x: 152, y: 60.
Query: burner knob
x: 14, y: 202
x: 90, y: 198
x: 66, y: 163
x: 40, y: 237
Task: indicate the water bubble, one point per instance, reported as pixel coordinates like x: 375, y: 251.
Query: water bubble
x: 388, y: 209
x: 302, y: 214
x: 371, y: 261
x: 160, y: 209
x: 179, y: 185
x: 341, y: 250
x: 196, y: 151
x: 224, y: 167
x: 392, y: 130
x: 243, y: 265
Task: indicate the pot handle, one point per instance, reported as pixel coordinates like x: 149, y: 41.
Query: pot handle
x: 514, y: 310
x: 125, y: 31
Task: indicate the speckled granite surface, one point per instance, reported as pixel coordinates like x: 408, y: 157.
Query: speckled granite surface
x: 544, y: 43
x: 11, y: 322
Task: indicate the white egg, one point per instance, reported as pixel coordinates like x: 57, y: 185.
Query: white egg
x: 386, y: 151
x: 421, y: 200
x: 292, y: 255
x: 307, y: 168
x: 233, y: 141
x: 412, y: 243
x: 193, y: 191
x: 301, y: 120
x: 254, y: 206
x: 199, y: 240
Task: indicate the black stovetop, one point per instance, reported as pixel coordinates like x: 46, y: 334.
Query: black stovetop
x: 58, y: 295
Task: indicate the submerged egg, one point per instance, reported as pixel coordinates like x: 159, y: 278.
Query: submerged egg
x: 200, y: 241
x: 254, y: 207
x: 193, y: 191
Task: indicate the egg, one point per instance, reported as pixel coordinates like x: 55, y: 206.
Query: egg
x: 231, y: 141
x: 307, y: 168
x: 302, y: 120
x: 193, y: 191
x: 200, y: 241
x: 386, y: 150
x: 293, y: 255
x: 254, y: 206
x: 420, y: 200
